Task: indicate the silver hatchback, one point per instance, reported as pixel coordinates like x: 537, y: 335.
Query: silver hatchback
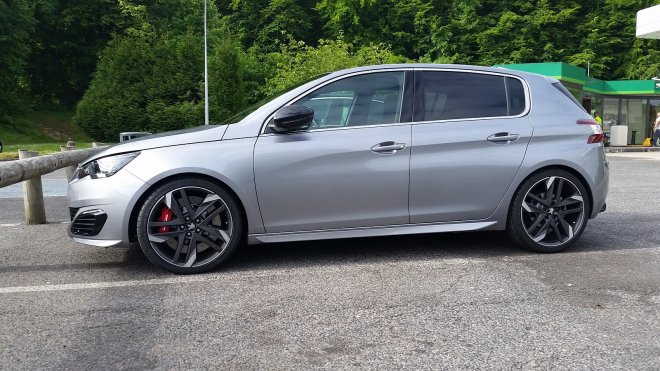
x: 370, y: 151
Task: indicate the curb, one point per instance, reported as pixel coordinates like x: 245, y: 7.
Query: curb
x: 631, y: 149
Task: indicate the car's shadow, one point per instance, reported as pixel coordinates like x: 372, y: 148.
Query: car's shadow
x: 492, y: 244
x: 396, y: 248
x: 610, y: 232
x: 373, y: 249
x: 344, y: 251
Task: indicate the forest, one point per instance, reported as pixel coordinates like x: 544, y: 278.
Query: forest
x: 128, y: 65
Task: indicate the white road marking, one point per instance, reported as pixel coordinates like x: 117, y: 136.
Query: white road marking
x: 17, y: 224
x: 215, y: 277
x: 101, y: 285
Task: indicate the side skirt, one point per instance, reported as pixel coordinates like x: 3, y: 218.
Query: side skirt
x: 367, y: 232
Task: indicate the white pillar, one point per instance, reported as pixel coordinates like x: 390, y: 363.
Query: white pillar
x: 206, y: 74
x: 619, y: 135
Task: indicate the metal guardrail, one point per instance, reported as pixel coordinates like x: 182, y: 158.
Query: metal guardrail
x: 30, y: 167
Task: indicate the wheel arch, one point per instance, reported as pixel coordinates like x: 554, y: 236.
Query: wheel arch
x: 569, y: 169
x: 132, y: 220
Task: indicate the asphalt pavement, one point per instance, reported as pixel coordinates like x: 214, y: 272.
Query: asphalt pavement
x: 441, y: 301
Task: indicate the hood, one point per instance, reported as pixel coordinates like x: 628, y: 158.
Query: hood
x: 205, y: 133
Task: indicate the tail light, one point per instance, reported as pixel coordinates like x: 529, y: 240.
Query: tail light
x: 597, y: 136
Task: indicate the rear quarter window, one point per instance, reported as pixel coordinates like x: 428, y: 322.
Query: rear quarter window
x: 568, y: 94
x: 516, y: 96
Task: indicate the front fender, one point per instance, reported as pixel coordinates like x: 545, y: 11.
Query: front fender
x: 229, y: 161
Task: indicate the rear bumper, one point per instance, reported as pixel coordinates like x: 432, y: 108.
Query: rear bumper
x: 597, y: 170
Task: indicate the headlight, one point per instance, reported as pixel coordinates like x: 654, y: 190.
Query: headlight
x: 106, y: 166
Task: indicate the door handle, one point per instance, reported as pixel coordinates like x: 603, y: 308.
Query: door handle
x: 388, y: 147
x: 502, y: 138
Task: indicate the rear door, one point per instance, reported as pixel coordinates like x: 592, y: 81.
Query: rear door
x: 470, y: 134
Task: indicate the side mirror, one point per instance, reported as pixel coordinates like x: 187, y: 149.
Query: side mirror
x: 292, y: 118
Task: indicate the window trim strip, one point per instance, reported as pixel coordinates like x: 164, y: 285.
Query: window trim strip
x: 528, y: 98
x: 526, y: 88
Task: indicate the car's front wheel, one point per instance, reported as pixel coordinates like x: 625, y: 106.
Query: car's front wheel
x: 549, y: 211
x: 189, y: 226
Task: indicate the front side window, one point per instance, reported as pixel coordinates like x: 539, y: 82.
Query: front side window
x: 443, y: 95
x: 369, y: 99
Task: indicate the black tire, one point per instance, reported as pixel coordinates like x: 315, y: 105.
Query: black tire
x: 201, y: 213
x: 555, y: 211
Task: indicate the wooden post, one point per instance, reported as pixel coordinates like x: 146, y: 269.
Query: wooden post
x: 69, y: 170
x: 33, y: 196
x: 97, y: 144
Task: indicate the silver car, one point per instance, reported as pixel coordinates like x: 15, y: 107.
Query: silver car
x: 370, y: 151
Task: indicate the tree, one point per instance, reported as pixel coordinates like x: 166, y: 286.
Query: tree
x: 264, y: 24
x: 226, y: 90
x: 402, y: 24
x: 68, y: 39
x: 299, y: 62
x: 16, y: 25
x: 152, y: 78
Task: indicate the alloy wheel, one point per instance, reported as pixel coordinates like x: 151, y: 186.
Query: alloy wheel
x: 552, y: 211
x: 189, y: 227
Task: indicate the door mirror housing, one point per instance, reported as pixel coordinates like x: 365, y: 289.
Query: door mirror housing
x: 292, y: 118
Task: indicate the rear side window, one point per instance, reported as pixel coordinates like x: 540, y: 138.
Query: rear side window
x: 459, y: 95
x: 568, y: 94
x: 516, y: 96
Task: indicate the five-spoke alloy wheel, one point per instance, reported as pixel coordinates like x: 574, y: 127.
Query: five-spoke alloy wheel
x: 189, y: 226
x: 549, y: 212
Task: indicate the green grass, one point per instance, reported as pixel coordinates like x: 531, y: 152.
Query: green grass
x: 11, y: 151
x: 40, y: 131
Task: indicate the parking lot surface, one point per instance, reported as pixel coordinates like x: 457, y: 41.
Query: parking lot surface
x: 441, y: 301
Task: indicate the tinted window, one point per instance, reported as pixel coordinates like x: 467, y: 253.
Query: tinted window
x: 371, y: 99
x: 516, y: 96
x: 460, y: 95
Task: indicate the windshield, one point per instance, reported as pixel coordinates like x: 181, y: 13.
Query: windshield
x: 243, y: 114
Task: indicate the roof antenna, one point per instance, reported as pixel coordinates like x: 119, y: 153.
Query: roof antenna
x: 206, y: 75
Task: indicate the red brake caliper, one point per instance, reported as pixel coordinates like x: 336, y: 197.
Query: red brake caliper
x: 165, y: 216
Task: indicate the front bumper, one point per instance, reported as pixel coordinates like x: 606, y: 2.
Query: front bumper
x: 114, y: 196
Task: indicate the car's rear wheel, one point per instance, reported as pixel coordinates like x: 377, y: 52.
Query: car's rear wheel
x: 549, y: 211
x: 189, y: 226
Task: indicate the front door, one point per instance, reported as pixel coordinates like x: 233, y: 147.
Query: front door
x: 469, y: 140
x: 350, y: 169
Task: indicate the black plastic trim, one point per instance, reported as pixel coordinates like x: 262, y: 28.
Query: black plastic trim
x: 89, y: 223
